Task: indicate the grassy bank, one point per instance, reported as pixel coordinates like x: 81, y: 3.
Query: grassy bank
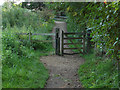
x: 23, y: 72
x: 97, y: 72
x: 21, y: 62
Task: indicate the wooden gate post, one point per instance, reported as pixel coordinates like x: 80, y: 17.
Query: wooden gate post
x: 30, y: 36
x: 84, y: 34
x: 88, y: 41
x: 57, y: 41
x: 62, y: 43
x: 58, y: 46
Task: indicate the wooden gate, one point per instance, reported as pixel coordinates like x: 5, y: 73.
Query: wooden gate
x: 66, y: 36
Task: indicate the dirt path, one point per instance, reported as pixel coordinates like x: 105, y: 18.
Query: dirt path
x: 63, y: 71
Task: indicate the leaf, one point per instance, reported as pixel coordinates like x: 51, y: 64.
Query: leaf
x: 92, y: 40
x: 75, y: 13
x: 115, y: 43
x: 68, y: 8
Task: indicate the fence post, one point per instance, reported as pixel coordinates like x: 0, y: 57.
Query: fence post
x: 88, y: 41
x: 58, y: 46
x: 29, y: 36
x: 57, y: 40
x: 62, y: 43
x: 84, y: 34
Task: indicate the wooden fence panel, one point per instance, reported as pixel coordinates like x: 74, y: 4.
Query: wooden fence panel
x: 72, y: 43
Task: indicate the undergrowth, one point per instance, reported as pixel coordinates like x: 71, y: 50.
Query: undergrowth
x: 98, y: 72
x: 21, y: 65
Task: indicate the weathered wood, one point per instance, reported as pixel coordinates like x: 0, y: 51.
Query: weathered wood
x: 37, y: 40
x: 42, y: 41
x: 88, y: 41
x: 62, y: 43
x: 84, y: 41
x: 47, y: 34
x: 58, y: 46
x: 72, y: 53
x: 29, y: 36
x: 72, y: 43
x: 74, y: 38
x: 67, y: 33
x: 57, y: 41
x: 72, y: 48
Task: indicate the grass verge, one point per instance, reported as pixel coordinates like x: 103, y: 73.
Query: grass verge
x: 97, y: 72
x: 24, y: 72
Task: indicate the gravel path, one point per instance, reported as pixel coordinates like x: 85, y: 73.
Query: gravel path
x: 63, y: 71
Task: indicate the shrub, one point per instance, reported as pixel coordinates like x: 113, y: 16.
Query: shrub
x: 16, y: 16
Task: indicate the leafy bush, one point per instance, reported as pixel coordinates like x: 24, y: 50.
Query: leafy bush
x: 16, y: 16
x: 101, y: 17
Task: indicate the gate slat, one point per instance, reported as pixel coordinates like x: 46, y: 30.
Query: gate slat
x: 72, y: 43
x: 72, y: 33
x: 72, y: 53
x: 74, y: 38
x: 72, y: 48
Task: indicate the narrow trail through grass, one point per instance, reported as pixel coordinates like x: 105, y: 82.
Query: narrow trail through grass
x: 63, y: 71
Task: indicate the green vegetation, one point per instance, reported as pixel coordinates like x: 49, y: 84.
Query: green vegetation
x: 98, y: 72
x: 102, y: 19
x: 34, y: 21
x: 21, y: 64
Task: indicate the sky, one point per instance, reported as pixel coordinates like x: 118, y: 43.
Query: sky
x: 17, y: 1
x: 1, y: 2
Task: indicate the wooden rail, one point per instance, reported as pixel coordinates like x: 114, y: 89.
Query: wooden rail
x: 73, y: 38
x: 72, y: 43
x: 30, y: 34
x: 72, y: 53
x: 71, y: 33
x: 42, y: 41
x: 72, y: 48
x: 48, y: 34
